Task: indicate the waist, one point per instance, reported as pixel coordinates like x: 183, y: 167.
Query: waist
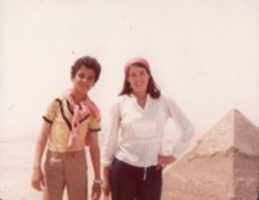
x: 141, y: 173
x: 133, y: 167
x: 66, y: 154
x: 138, y: 155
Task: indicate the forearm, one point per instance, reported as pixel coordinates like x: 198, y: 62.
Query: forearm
x: 111, y: 138
x: 106, y: 173
x: 95, y: 158
x: 41, y: 145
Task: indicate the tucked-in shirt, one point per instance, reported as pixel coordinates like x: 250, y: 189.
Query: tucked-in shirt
x: 59, y: 115
x: 136, y: 134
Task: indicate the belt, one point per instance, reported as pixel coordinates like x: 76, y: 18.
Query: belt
x: 65, y: 154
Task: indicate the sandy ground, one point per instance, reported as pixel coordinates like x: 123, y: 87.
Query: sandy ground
x: 16, y: 158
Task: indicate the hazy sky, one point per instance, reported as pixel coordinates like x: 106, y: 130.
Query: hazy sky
x: 204, y: 54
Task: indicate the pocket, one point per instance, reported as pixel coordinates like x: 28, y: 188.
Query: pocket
x: 52, y: 168
x: 52, y: 161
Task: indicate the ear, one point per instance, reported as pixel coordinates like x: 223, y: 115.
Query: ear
x: 71, y: 78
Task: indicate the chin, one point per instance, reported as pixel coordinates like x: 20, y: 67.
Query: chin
x: 140, y: 91
x: 83, y: 91
x: 86, y: 90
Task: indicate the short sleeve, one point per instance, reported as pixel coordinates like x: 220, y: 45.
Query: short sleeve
x: 94, y: 124
x: 51, y: 112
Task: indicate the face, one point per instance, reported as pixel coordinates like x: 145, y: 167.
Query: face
x: 138, y: 78
x: 84, y: 79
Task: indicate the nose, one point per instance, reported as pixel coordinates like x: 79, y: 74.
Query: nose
x: 138, y: 77
x: 85, y: 80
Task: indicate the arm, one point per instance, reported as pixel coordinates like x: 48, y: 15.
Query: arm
x: 184, y: 124
x: 110, y: 146
x: 37, y: 180
x: 112, y: 137
x: 37, y: 175
x: 95, y: 158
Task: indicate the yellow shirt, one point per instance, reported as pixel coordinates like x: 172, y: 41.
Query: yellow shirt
x: 59, y: 115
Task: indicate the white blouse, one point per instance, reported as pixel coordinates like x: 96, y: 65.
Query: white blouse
x: 136, y: 134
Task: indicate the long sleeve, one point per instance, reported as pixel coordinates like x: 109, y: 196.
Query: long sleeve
x: 111, y: 139
x: 184, y: 124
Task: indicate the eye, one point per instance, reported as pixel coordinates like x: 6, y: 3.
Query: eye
x: 132, y: 75
x: 90, y: 78
x: 142, y: 73
x: 81, y: 75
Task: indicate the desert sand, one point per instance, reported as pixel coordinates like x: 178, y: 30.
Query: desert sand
x: 16, y: 157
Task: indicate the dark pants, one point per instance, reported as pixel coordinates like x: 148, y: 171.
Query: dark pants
x: 135, y: 183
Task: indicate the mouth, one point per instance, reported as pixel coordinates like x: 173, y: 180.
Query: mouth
x: 84, y: 87
x: 139, y: 84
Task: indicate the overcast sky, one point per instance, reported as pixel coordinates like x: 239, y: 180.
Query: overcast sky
x: 203, y: 54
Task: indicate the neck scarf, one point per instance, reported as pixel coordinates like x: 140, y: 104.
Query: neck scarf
x: 80, y: 111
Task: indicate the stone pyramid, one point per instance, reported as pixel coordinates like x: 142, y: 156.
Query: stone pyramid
x: 223, y: 165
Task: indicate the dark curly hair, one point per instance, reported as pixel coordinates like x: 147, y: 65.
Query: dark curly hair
x: 88, y: 62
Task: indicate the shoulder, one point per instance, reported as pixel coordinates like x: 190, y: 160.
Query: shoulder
x: 56, y: 102
x: 164, y: 99
x: 120, y: 104
x: 169, y: 103
x: 56, y: 98
x: 59, y: 100
x: 120, y: 100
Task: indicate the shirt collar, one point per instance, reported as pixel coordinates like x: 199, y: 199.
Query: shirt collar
x: 134, y: 99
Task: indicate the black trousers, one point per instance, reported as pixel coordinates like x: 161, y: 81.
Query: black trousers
x: 135, y: 183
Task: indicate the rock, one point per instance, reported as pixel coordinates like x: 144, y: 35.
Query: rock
x: 223, y: 165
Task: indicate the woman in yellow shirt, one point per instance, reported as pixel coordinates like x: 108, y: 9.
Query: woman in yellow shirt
x: 71, y: 122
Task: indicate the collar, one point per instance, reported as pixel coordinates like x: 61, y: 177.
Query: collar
x: 134, y: 99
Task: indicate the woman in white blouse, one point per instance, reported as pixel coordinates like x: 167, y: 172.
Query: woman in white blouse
x: 135, y: 151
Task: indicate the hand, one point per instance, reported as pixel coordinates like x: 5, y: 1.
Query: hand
x: 106, y: 198
x: 163, y: 161
x: 106, y: 184
x: 96, y: 191
x: 106, y: 188
x: 37, y: 180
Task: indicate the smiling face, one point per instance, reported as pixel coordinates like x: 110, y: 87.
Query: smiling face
x: 84, y: 79
x: 138, y: 79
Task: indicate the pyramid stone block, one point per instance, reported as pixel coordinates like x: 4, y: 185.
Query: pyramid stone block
x: 223, y: 165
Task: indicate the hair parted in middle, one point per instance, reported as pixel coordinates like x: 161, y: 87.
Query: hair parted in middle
x: 152, y: 88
